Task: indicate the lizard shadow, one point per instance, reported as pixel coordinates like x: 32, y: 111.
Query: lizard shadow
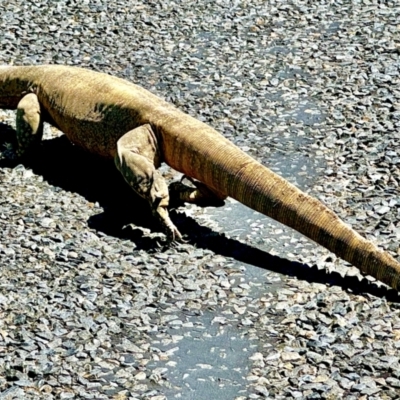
x: 66, y: 166
x: 206, y: 238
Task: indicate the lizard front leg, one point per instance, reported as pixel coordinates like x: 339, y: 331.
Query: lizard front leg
x: 29, y: 123
x: 137, y: 158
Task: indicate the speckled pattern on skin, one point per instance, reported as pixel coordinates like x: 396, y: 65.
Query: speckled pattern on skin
x: 115, y: 118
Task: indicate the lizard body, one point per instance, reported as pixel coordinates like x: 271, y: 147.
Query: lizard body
x: 116, y: 119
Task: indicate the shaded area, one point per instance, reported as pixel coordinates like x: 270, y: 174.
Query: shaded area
x: 68, y: 167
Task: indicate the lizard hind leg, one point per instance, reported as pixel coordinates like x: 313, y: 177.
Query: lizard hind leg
x: 200, y: 194
x: 137, y: 158
x: 29, y: 124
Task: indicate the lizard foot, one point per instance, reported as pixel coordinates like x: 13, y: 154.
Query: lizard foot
x: 199, y: 193
x: 9, y: 152
x: 173, y: 235
x: 172, y: 241
x: 172, y: 232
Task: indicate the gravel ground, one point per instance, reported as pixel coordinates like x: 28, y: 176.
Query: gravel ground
x: 247, y: 309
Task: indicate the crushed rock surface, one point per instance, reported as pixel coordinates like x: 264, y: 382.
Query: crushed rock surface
x: 246, y: 309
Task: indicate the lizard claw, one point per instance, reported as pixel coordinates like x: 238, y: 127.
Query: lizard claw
x: 174, y: 240
x: 173, y: 235
x: 9, y: 152
x: 172, y: 232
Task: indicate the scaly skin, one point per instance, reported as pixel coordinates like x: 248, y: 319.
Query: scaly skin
x: 117, y: 119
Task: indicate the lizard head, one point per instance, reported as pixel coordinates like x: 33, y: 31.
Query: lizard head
x: 12, y: 88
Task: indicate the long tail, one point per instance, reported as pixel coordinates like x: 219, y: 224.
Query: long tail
x: 212, y: 159
x: 261, y: 189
